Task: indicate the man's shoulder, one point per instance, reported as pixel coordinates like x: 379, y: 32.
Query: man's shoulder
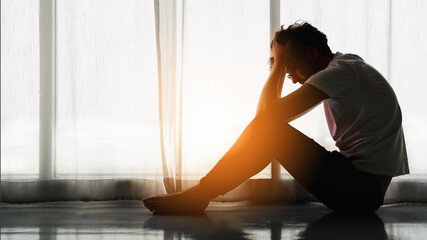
x: 343, y: 57
x: 342, y: 65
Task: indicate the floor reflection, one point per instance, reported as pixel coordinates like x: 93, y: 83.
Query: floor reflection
x: 332, y: 226
x: 265, y: 225
x: 193, y: 227
x: 248, y: 222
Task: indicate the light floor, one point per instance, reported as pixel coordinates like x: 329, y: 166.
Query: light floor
x: 130, y: 220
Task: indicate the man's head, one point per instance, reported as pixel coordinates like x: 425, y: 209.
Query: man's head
x: 308, y: 50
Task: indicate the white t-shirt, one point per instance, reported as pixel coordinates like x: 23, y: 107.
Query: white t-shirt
x: 363, y: 115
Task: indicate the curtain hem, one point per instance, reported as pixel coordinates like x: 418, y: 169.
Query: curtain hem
x: 409, y: 188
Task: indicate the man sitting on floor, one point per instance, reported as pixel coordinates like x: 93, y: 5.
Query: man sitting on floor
x: 363, y: 116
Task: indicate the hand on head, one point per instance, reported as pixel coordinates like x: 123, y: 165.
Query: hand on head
x: 279, y: 52
x: 281, y: 55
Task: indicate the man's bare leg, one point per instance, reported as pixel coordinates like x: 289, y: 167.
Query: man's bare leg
x: 252, y: 152
x: 196, y: 199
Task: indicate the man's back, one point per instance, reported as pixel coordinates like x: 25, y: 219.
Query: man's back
x: 363, y: 115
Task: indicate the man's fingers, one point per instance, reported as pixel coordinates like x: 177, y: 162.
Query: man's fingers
x: 274, y: 49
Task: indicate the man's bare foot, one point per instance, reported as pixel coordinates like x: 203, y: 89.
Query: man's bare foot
x: 189, y: 202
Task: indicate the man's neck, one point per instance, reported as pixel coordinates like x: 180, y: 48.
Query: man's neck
x: 324, y: 60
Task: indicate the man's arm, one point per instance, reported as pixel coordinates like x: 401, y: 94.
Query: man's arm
x: 273, y: 87
x: 296, y: 103
x: 291, y: 106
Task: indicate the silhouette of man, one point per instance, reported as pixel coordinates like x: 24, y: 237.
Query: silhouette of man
x: 363, y: 117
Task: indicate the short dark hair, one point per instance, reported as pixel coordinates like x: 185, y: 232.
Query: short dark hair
x: 303, y: 34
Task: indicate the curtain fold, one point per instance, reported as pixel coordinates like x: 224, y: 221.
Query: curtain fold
x: 169, y: 32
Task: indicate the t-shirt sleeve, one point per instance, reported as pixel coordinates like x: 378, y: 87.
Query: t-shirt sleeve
x: 337, y: 81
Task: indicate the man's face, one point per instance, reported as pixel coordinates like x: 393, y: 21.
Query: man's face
x: 300, y: 70
x: 298, y: 66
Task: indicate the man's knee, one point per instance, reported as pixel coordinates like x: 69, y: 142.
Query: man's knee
x: 271, y: 124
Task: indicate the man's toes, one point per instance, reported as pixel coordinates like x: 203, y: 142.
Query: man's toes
x: 150, y: 199
x: 151, y: 205
x: 151, y: 208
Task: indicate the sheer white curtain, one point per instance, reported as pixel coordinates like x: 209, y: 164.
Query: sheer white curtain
x: 19, y: 89
x: 225, y: 53
x: 200, y: 64
x: 105, y: 99
x: 408, y: 71
x: 212, y: 64
x: 169, y: 30
x: 107, y: 94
